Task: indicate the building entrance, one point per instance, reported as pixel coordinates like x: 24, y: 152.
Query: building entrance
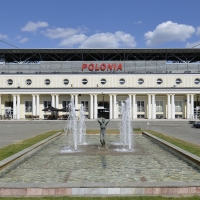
x: 103, y: 109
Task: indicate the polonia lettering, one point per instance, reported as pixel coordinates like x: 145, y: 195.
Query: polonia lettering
x: 102, y: 67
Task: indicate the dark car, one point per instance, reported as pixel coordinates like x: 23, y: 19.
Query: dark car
x: 196, y: 124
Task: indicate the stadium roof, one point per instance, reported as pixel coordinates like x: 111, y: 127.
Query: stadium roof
x: 173, y: 54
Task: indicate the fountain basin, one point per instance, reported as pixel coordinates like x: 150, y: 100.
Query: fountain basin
x: 149, y: 169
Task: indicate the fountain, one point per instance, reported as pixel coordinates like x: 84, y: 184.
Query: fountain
x: 75, y: 130
x: 125, y: 126
x: 71, y: 130
x: 82, y: 126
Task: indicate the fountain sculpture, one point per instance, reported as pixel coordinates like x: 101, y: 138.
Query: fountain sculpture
x: 75, y: 130
x: 103, y: 123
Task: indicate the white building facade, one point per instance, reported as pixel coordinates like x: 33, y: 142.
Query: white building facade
x: 159, y: 87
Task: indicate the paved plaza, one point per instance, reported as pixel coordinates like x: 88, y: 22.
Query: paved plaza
x: 15, y: 131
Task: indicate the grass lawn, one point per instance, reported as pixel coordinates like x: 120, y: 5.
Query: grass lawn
x: 104, y: 198
x: 190, y: 147
x: 9, y: 150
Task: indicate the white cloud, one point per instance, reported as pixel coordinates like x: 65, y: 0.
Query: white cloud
x: 198, y: 31
x: 23, y: 40
x: 3, y: 36
x: 71, y: 41
x: 118, y: 39
x: 61, y: 32
x: 168, y: 31
x: 75, y: 36
x: 34, y: 26
x: 193, y: 44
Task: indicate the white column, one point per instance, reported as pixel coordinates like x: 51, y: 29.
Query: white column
x: 149, y: 106
x: 52, y: 100
x: 153, y: 112
x: 14, y: 107
x: 18, y: 106
x: 114, y: 106
x: 188, y: 106
x: 0, y: 104
x: 33, y: 104
x: 192, y: 106
x: 57, y: 100
x: 168, y: 107
x: 173, y: 106
x: 134, y: 110
x: 91, y: 106
x: 38, y: 104
x: 95, y: 106
x: 110, y: 112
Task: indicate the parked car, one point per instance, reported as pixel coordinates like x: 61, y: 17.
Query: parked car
x: 196, y: 124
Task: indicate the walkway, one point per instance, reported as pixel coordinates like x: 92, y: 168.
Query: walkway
x: 15, y: 131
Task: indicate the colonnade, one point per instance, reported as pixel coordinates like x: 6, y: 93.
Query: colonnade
x: 113, y: 113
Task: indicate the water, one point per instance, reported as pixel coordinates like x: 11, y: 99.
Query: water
x: 125, y: 127
x: 82, y: 126
x: 71, y: 129
x: 75, y: 130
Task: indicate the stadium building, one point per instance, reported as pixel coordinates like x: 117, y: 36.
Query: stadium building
x: 161, y: 83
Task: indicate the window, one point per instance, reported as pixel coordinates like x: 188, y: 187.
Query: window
x: 197, y: 81
x: 159, y: 81
x: 65, y: 81
x: 178, y: 106
x: 159, y: 106
x: 140, y: 81
x: 9, y: 81
x: 178, y: 81
x: 28, y: 82
x: 84, y: 81
x: 28, y: 106
x: 47, y: 82
x: 103, y: 81
x: 47, y: 104
x: 121, y: 81
x: 65, y: 103
x: 85, y: 105
x: 140, y: 106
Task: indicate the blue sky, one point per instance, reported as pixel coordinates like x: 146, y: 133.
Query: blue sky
x: 100, y: 23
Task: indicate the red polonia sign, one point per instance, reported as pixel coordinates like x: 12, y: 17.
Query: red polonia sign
x: 102, y: 67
